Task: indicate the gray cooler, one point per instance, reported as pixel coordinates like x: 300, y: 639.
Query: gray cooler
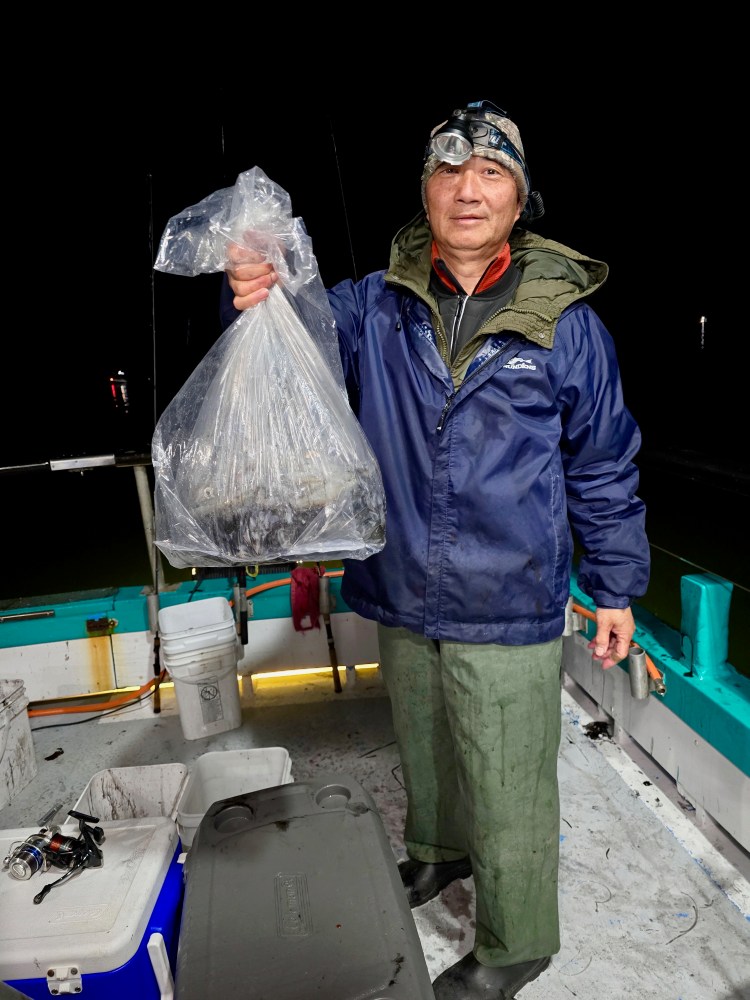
x: 293, y: 893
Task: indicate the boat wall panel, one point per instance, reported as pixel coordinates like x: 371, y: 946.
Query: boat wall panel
x: 274, y: 644
x: 56, y: 620
x: 61, y: 669
x: 85, y: 666
x: 705, y: 777
x: 133, y: 657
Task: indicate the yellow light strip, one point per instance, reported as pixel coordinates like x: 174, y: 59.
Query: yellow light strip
x: 309, y: 671
x: 301, y: 672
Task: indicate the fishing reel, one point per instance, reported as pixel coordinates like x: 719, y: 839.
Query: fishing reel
x: 52, y: 849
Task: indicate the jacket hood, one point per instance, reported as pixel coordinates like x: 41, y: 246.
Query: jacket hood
x: 553, y: 277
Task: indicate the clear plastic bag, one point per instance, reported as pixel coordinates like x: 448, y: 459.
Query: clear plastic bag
x: 259, y: 458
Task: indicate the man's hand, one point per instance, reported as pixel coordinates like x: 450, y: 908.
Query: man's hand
x: 614, y: 630
x: 250, y: 277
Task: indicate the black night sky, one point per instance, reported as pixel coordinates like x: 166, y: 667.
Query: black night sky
x: 621, y: 182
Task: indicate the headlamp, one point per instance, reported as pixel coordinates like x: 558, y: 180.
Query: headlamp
x: 469, y: 127
x: 454, y: 142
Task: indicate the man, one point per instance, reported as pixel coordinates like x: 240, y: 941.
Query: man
x: 491, y: 395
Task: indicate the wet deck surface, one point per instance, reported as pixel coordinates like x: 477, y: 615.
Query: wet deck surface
x: 652, y: 905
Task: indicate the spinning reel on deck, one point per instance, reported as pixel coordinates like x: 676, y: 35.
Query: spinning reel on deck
x: 52, y: 849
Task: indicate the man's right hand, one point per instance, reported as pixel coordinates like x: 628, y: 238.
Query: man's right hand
x: 250, y: 277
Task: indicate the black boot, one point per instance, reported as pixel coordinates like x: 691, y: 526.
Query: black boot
x: 467, y: 980
x: 424, y: 881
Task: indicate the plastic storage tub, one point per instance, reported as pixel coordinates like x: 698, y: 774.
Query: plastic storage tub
x: 131, y: 793
x: 294, y: 892
x: 221, y: 774
x: 17, y: 758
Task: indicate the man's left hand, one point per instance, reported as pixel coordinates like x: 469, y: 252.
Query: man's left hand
x: 614, y: 630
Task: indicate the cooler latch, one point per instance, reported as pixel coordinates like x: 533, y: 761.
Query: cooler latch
x: 64, y: 979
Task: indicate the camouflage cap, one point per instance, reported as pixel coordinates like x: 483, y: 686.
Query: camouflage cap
x: 511, y: 131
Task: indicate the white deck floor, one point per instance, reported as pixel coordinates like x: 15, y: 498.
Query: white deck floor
x: 653, y: 907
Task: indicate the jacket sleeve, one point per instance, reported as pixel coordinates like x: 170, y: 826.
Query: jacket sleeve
x: 350, y: 301
x: 227, y: 313
x: 599, y: 442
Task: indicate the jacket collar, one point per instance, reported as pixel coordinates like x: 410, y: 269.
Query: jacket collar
x: 553, y: 277
x: 492, y: 274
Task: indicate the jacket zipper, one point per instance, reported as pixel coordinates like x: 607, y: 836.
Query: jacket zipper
x: 443, y: 415
x: 512, y: 341
x: 455, y: 326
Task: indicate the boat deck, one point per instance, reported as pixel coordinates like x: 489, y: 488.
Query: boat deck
x: 654, y: 900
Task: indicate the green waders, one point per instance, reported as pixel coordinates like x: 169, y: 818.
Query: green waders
x: 478, y: 732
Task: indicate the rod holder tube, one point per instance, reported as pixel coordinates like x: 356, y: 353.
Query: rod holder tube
x: 324, y: 596
x: 639, y: 680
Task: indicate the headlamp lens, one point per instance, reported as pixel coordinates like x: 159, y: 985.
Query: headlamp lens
x: 452, y: 146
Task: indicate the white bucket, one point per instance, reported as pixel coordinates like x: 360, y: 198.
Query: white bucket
x: 197, y: 657
x: 207, y: 690
x: 17, y: 757
x: 197, y: 624
x: 197, y: 640
x: 224, y: 773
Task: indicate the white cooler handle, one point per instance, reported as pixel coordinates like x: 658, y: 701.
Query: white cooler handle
x: 157, y: 952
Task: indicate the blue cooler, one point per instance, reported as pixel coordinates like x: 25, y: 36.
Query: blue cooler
x: 109, y: 932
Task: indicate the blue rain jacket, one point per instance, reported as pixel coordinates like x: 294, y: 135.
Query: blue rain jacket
x: 492, y: 466
x: 485, y: 481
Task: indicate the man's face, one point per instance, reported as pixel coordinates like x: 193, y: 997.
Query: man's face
x: 472, y: 206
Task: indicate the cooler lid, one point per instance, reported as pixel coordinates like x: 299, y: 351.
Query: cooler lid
x: 98, y: 919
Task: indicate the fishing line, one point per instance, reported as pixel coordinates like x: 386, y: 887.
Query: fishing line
x: 153, y: 290
x: 695, y: 565
x: 343, y: 200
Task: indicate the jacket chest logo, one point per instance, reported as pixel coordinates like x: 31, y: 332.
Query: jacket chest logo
x: 517, y: 363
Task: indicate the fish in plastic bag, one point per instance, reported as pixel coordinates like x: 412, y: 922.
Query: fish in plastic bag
x: 259, y: 457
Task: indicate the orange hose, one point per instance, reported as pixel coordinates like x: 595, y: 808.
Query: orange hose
x: 102, y: 707
x: 266, y: 586
x: 651, y: 668
x: 280, y: 583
